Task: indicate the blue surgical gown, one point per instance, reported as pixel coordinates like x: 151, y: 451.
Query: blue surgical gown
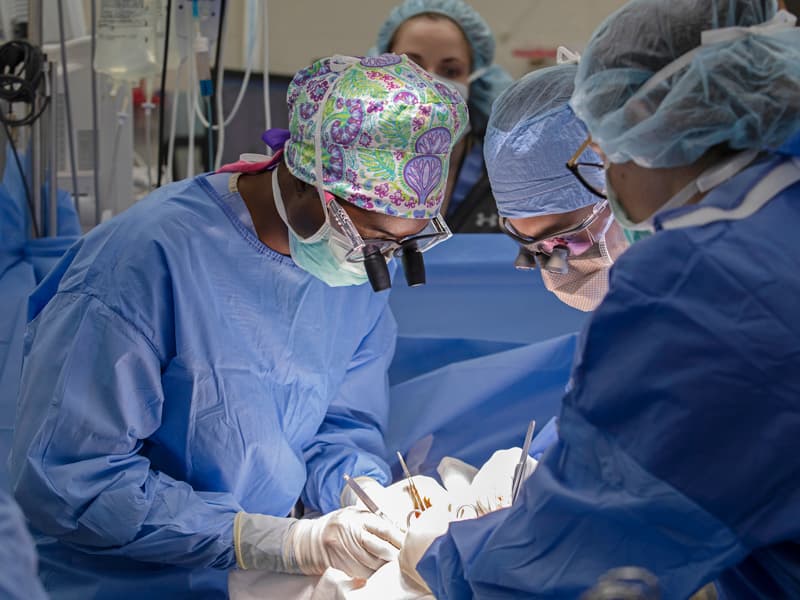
x: 177, y: 371
x: 18, y: 578
x: 679, y: 444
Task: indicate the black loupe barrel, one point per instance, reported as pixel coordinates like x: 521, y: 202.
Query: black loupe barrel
x: 377, y: 270
x: 413, y: 267
x: 557, y: 262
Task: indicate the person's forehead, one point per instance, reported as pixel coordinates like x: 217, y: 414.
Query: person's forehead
x: 440, y: 35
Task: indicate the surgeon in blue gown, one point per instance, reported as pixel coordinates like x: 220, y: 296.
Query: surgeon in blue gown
x: 678, y: 447
x: 200, y: 362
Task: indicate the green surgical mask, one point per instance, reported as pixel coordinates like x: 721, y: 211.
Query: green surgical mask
x: 621, y: 216
x: 707, y: 181
x: 319, y: 255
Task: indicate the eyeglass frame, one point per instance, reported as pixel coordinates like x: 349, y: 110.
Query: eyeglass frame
x: 573, y: 166
x: 527, y: 242
x: 388, y: 247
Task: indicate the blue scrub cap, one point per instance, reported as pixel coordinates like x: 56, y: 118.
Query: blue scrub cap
x: 492, y: 81
x: 532, y: 133
x: 737, y: 87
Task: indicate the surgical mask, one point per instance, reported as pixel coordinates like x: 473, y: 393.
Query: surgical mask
x: 319, y: 254
x: 621, y: 216
x: 705, y: 182
x: 585, y: 284
x: 461, y: 88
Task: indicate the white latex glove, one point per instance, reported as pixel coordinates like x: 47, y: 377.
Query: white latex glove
x: 422, y: 533
x: 368, y: 484
x: 456, y: 475
x: 491, y: 487
x: 351, y: 540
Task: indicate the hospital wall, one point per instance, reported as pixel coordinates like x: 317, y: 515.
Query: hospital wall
x: 303, y: 30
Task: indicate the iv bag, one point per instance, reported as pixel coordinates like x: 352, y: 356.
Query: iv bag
x: 126, y: 39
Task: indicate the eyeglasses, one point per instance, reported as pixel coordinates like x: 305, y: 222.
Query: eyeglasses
x: 586, y: 172
x: 357, y: 248
x: 551, y: 252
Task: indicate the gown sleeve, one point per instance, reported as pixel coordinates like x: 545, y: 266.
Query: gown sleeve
x: 350, y: 440
x: 18, y: 579
x: 90, y: 397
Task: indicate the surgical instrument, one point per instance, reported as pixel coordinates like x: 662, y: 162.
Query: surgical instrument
x: 364, y: 497
x: 519, y: 470
x: 419, y: 504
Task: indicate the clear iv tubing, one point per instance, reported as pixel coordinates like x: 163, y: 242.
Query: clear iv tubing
x: 265, y: 68
x: 68, y: 110
x: 95, y: 127
x: 211, y: 155
x: 122, y: 114
x: 173, y: 128
x: 148, y: 137
x: 191, y: 100
x: 242, y: 89
x: 218, y: 97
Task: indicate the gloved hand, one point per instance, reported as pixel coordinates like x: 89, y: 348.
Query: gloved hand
x: 396, y: 501
x: 368, y: 484
x: 422, y: 533
x: 491, y: 487
x: 456, y: 475
x: 351, y: 540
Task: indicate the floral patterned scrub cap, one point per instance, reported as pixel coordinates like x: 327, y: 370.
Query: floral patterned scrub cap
x: 382, y: 129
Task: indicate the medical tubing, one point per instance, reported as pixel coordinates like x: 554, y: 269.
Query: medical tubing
x: 24, y: 179
x: 174, y: 119
x: 68, y: 109
x: 162, y: 97
x: 121, y: 116
x: 218, y: 76
x: 220, y: 116
x: 242, y: 89
x: 210, y: 135
x: 148, y: 141
x: 265, y: 64
x: 95, y: 130
x: 191, y: 100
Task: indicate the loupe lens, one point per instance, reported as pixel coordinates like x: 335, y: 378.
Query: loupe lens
x: 413, y: 267
x: 557, y: 261
x: 377, y: 270
x: 525, y: 261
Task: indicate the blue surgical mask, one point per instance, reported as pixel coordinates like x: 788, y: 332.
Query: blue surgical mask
x: 319, y: 255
